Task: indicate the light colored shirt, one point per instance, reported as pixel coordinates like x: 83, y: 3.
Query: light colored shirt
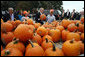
x: 23, y: 18
x: 12, y: 17
x: 50, y: 18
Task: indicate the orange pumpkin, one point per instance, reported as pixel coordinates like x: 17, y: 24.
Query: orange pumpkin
x: 18, y: 22
x: 36, y: 25
x: 16, y: 44
x: 37, y: 38
x: 65, y: 23
x: 2, y: 21
x: 11, y: 52
x: 43, y: 17
x: 73, y: 35
x: 82, y: 36
x: 55, y: 34
x: 30, y: 22
x: 61, y: 28
x: 72, y: 27
x: 46, y: 44
x: 31, y: 27
x: 23, y: 33
x: 71, y: 48
x: 81, y: 46
x: 34, y: 51
x: 41, y: 31
x: 48, y: 37
x: 81, y: 28
x: 7, y: 37
x: 82, y: 19
x: 53, y: 51
x: 7, y: 26
x: 64, y: 34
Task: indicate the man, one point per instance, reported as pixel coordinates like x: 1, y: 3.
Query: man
x: 62, y: 15
x: 37, y: 17
x: 67, y: 14
x: 10, y: 16
x: 50, y: 17
x: 73, y: 15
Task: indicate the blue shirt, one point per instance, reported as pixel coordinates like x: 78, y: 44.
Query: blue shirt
x: 20, y: 17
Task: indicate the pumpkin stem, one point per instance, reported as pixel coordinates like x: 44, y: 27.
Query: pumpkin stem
x: 77, y: 24
x: 31, y: 43
x: 72, y: 40
x: 46, y: 40
x: 16, y: 41
x: 7, y: 52
x: 54, y: 48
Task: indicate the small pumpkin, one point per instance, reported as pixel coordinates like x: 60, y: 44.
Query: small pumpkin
x: 34, y: 51
x: 43, y: 17
x: 11, y: 52
x: 71, y: 48
x: 37, y: 38
x: 61, y: 28
x: 53, y: 51
x: 46, y: 44
x: 30, y: 22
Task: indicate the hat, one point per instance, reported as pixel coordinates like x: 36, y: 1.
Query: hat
x: 24, y: 12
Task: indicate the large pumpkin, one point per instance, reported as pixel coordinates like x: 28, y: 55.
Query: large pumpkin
x: 43, y: 17
x: 71, y: 48
x: 23, y: 33
x: 11, y: 52
x: 34, y: 51
x: 16, y: 44
x: 55, y: 34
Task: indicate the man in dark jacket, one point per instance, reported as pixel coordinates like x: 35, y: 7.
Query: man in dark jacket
x: 37, y: 17
x: 10, y: 16
x: 73, y: 15
x: 67, y: 14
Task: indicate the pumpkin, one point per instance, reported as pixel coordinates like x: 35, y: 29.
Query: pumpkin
x: 61, y: 28
x: 16, y: 44
x: 34, y: 51
x: 71, y: 48
x: 11, y: 52
x: 30, y: 46
x: 53, y: 51
x: 41, y: 31
x: 31, y: 27
x: 82, y: 19
x: 73, y: 35
x: 82, y: 36
x: 37, y: 38
x: 72, y: 27
x: 23, y: 33
x: 46, y: 44
x: 7, y: 26
x: 64, y: 34
x: 81, y: 46
x: 48, y: 37
x: 7, y: 37
x: 2, y: 21
x: 65, y: 23
x: 1, y: 48
x: 17, y: 22
x: 55, y: 34
x: 36, y: 25
x: 43, y: 17
x: 30, y: 22
x: 81, y: 28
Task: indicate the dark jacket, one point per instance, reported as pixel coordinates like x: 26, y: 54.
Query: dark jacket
x: 37, y: 18
x: 68, y: 15
x: 6, y: 17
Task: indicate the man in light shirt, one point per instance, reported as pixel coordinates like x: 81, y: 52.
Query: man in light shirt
x: 50, y: 17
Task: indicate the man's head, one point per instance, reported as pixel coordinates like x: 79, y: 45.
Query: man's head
x: 73, y: 10
x: 51, y: 11
x: 41, y: 10
x: 10, y: 10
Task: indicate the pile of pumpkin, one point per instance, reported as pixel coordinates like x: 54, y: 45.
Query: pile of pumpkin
x: 33, y: 39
